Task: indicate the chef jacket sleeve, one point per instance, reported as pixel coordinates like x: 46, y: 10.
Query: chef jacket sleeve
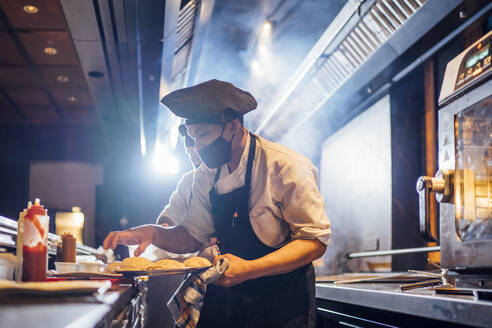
x: 177, y: 207
x: 301, y: 202
x: 199, y: 221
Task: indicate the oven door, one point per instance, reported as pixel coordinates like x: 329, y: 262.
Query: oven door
x: 465, y: 150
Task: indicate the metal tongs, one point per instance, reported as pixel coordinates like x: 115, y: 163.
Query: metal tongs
x: 445, y: 285
x: 438, y: 278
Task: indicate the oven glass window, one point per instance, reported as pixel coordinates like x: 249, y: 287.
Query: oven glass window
x: 473, y: 179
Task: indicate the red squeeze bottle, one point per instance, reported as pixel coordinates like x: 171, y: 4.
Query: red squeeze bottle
x: 34, y: 249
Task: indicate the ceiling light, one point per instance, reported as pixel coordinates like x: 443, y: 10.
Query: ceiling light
x: 50, y: 51
x: 267, y: 26
x: 266, y: 32
x: 72, y: 99
x: 30, y: 9
x: 62, y: 78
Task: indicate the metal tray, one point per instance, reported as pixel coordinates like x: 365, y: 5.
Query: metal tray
x: 86, y: 275
x: 136, y: 273
x: 64, y: 288
x: 390, y: 278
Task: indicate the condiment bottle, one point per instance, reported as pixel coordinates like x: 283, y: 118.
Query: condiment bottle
x: 35, y: 242
x: 68, y: 248
x: 20, y: 242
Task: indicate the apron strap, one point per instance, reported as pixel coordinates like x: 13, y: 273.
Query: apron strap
x: 251, y: 157
x: 217, y: 175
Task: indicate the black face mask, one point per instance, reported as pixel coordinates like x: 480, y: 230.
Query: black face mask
x: 217, y: 153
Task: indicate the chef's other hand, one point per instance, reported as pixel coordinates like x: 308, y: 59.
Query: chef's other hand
x: 238, y: 271
x: 141, y: 236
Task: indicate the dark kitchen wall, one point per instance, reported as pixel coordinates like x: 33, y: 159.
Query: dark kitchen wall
x: 407, y: 158
x: 22, y: 143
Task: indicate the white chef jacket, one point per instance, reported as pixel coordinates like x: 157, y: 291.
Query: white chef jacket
x: 285, y: 202
x: 176, y: 211
x: 179, y: 201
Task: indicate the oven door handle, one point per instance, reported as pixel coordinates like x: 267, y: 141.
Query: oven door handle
x: 424, y: 188
x: 442, y: 186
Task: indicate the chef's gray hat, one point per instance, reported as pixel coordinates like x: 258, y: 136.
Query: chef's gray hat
x: 213, y: 101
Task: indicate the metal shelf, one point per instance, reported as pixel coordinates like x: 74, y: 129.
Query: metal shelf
x: 8, y: 237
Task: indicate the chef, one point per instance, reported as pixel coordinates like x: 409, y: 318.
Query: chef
x: 262, y: 202
x: 180, y: 199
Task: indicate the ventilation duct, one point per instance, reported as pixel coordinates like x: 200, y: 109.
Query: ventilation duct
x: 364, y: 39
x: 378, y: 24
x: 187, y: 18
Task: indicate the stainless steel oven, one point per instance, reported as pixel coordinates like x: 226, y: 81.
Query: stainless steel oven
x: 463, y: 184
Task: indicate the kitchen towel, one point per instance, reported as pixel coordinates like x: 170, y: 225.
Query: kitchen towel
x: 186, y: 303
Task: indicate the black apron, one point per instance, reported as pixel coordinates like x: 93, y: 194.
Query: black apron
x: 285, y: 300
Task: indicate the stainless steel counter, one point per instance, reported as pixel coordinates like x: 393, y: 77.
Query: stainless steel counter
x: 52, y: 312
x: 422, y: 302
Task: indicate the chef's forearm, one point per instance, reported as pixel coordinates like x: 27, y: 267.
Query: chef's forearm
x: 288, y: 258
x: 175, y: 240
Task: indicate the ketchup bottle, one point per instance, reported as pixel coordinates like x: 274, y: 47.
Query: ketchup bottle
x: 35, y: 222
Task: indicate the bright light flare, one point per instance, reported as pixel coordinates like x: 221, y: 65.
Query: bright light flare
x: 263, y: 51
x: 256, y: 68
x: 174, y: 131
x: 164, y: 161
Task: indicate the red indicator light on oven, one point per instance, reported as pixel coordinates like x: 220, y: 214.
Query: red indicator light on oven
x: 479, y: 45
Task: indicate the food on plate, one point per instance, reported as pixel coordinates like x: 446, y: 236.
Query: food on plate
x: 113, y: 266
x: 134, y: 263
x: 197, y: 262
x: 165, y: 264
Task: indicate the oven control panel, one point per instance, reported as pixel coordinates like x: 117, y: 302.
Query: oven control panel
x: 469, y: 67
x: 475, y: 63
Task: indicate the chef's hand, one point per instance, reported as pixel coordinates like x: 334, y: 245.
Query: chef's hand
x: 141, y: 236
x: 238, y: 271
